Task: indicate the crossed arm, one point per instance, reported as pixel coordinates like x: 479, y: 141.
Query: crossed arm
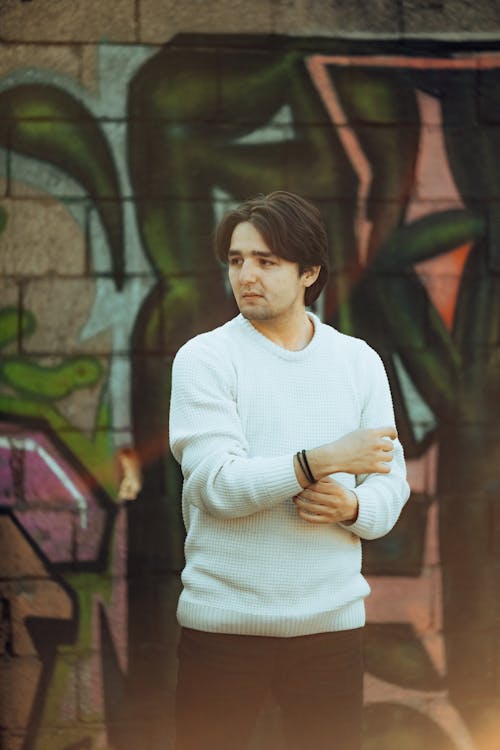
x: 364, y: 451
x: 221, y: 477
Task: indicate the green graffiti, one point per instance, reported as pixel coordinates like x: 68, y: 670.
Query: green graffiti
x: 50, y: 383
x: 456, y: 370
x: 12, y: 323
x: 94, y: 452
x: 88, y: 588
x: 429, y: 237
x: 47, y: 123
x: 32, y: 390
x: 202, y: 129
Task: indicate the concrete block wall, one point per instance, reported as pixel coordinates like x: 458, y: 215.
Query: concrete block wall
x: 126, y: 128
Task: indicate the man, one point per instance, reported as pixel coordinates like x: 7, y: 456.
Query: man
x: 284, y: 429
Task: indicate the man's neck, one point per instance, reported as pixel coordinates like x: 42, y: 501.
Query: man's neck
x: 293, y: 334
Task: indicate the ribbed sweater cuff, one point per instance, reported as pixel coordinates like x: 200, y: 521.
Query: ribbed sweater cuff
x: 280, y: 479
x: 367, y: 512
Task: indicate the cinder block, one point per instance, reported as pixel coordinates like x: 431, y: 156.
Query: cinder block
x: 115, y: 614
x: 478, y: 586
x: 434, y: 178
x: 90, y: 688
x: 40, y: 237
x: 58, y: 21
x: 67, y: 708
x: 19, y: 642
x: 343, y: 16
x: 456, y: 18
x: 442, y: 290
x: 468, y: 544
x: 35, y: 598
x: 48, y: 57
x: 80, y: 407
x: 471, y: 655
x: 19, y: 560
x: 30, y: 178
x: 488, y: 94
x: 73, y: 735
x: 317, y: 166
x: 159, y: 20
x: 494, y: 252
x: 260, y: 73
x: 452, y: 97
x: 177, y: 84
x: 119, y: 558
x: 479, y: 311
x: 89, y: 69
x: 18, y: 685
x: 61, y: 308
x: 401, y: 552
x: 495, y: 527
x: 10, y: 741
x: 466, y: 148
x: 51, y: 530
x: 192, y: 308
x: 9, y: 296
x: 374, y: 304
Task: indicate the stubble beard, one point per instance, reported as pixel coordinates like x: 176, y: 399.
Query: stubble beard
x: 251, y: 312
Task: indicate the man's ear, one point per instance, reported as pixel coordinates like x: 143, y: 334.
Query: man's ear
x: 310, y: 275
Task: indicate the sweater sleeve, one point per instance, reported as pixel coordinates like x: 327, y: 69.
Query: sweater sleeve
x: 207, y: 439
x: 381, y: 497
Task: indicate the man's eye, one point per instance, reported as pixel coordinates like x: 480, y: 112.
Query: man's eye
x: 234, y: 261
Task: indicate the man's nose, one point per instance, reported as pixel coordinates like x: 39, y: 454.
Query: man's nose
x: 247, y: 272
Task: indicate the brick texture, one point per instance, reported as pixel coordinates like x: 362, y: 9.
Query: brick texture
x: 59, y: 21
x: 387, y: 114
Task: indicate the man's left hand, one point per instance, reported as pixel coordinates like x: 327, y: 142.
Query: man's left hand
x: 327, y: 501
x: 131, y: 474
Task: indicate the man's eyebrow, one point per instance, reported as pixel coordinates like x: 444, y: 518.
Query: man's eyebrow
x: 257, y: 253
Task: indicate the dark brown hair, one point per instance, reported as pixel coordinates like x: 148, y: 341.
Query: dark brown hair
x: 291, y: 227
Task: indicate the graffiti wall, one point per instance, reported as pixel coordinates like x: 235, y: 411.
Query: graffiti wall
x: 109, y: 196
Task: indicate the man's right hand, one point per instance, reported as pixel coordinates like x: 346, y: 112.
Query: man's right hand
x: 366, y: 451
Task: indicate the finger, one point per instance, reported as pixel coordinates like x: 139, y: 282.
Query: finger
x: 384, y: 455
x: 318, y: 504
x: 314, y: 517
x: 388, y: 432
x: 386, y: 444
x: 323, y: 493
x: 129, y: 489
x: 316, y: 508
x: 383, y: 468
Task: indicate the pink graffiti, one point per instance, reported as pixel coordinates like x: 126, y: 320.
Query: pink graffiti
x: 49, y: 497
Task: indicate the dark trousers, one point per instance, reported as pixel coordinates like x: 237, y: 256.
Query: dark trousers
x: 223, y: 681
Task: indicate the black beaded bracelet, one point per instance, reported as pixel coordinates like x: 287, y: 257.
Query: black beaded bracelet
x: 298, y: 456
x: 304, y: 465
x: 310, y: 475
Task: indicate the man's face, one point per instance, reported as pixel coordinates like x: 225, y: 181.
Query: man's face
x: 266, y: 287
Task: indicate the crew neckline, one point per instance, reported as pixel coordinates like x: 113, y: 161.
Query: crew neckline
x: 280, y: 351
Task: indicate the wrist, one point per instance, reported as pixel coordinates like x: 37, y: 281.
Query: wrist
x: 299, y: 473
x: 322, y: 462
x: 355, y: 508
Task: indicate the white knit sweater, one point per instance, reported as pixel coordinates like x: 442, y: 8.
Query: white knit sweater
x: 241, y: 407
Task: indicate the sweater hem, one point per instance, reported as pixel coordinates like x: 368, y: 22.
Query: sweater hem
x: 212, y: 620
